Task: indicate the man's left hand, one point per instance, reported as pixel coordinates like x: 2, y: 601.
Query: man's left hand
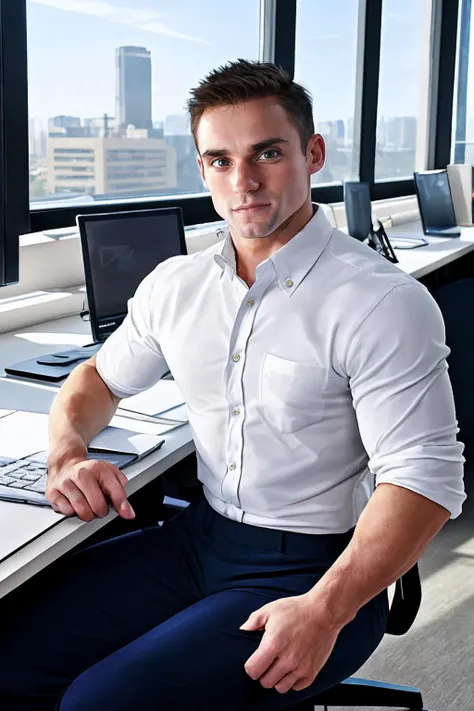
x: 297, y: 642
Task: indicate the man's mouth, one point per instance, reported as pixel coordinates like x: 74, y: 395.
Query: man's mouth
x: 251, y: 207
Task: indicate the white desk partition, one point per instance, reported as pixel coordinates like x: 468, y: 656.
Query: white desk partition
x: 33, y: 537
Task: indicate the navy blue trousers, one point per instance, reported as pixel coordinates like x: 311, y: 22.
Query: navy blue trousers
x: 150, y: 621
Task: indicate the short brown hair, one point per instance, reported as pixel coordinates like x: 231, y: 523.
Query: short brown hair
x: 244, y: 80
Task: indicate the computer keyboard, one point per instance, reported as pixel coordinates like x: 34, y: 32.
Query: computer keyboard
x: 28, y: 474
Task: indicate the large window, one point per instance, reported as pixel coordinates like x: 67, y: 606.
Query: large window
x: 325, y: 63
x: 463, y: 129
x: 108, y: 83
x: 404, y: 68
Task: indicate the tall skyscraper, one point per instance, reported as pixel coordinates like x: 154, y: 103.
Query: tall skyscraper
x: 133, y: 80
x: 37, y: 138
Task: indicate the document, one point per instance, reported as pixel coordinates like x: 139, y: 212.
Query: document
x: 26, y: 433
x: 161, y: 399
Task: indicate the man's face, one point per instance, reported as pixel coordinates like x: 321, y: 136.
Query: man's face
x: 252, y: 163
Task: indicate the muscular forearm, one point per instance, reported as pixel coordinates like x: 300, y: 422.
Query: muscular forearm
x: 391, y: 535
x: 82, y: 408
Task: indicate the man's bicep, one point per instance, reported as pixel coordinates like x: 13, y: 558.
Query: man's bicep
x: 91, y: 363
x: 403, y: 397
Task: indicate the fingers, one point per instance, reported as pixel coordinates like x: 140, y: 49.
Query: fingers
x: 287, y: 683
x: 284, y: 676
x: 303, y: 683
x: 276, y: 673
x: 111, y: 482
x: 262, y: 659
x: 84, y: 488
x: 60, y: 504
x: 77, y: 500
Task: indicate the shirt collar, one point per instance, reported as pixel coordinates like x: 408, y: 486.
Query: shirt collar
x: 225, y: 257
x: 297, y: 257
x: 292, y: 261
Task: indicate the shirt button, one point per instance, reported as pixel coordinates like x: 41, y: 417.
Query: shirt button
x: 236, y: 357
x: 250, y: 302
x: 289, y: 283
x: 232, y: 466
x: 236, y: 411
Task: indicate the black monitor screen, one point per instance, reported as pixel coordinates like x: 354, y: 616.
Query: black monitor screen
x: 119, y: 250
x: 435, y: 201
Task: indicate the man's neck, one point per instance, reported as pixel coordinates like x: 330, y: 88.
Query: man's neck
x: 249, y: 253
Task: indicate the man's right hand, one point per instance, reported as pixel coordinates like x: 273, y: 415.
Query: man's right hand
x: 81, y: 488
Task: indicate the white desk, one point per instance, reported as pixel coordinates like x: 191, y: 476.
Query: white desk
x: 421, y: 261
x: 31, y: 537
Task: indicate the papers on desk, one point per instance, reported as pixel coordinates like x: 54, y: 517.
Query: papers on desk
x: 163, y: 400
x: 26, y: 433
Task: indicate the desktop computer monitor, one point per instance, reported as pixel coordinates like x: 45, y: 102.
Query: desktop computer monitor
x: 119, y: 250
x: 435, y: 202
x: 358, y: 209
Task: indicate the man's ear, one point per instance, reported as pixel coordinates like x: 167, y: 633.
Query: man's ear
x: 201, y: 170
x: 316, y: 154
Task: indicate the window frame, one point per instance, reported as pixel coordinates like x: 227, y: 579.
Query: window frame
x: 464, y: 39
x: 14, y: 162
x: 278, y: 41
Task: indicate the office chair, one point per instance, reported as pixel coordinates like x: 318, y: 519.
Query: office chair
x: 364, y: 692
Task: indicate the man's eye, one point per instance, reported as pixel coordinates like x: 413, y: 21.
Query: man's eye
x: 220, y: 163
x: 269, y: 154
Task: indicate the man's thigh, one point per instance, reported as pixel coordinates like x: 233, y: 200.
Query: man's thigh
x: 98, y: 600
x: 195, y: 660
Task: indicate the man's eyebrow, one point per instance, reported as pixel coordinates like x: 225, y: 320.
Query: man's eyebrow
x: 256, y: 148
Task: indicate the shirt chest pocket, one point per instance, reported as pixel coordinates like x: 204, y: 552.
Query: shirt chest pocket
x: 292, y: 394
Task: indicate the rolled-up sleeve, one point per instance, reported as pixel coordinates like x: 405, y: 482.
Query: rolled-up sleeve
x: 402, y: 395
x: 131, y: 360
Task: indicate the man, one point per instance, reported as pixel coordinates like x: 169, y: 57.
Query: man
x: 311, y: 368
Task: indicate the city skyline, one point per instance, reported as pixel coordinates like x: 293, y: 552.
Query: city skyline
x: 129, y: 83
x: 187, y: 41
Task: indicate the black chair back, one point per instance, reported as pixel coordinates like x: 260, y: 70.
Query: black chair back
x: 406, y: 602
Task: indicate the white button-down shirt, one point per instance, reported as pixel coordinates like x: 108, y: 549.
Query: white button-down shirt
x: 324, y: 378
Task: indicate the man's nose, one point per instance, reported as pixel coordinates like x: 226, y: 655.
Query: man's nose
x: 244, y: 178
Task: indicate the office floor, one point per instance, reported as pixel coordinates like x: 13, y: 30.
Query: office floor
x: 437, y: 654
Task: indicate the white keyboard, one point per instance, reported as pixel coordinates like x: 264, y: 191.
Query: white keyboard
x: 29, y: 474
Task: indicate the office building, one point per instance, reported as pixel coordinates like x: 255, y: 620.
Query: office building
x: 188, y: 174
x: 37, y: 138
x: 177, y: 133
x: 133, y: 87
x: 63, y: 122
x: 401, y: 132
x: 102, y: 126
x: 349, y: 135
x: 127, y: 166
x: 339, y: 130
x: 177, y: 125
